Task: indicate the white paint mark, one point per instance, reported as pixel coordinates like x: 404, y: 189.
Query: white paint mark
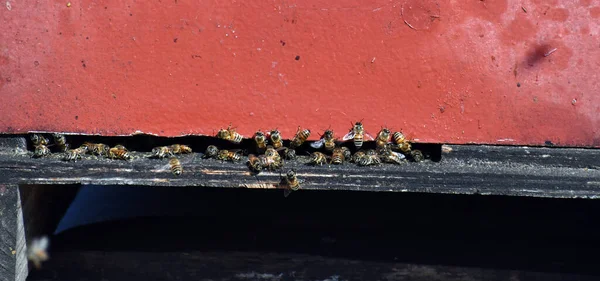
x: 258, y: 49
x: 550, y: 52
x: 505, y: 140
x: 593, y: 182
x: 8, y: 6
x: 545, y: 155
x: 375, y: 10
x: 226, y: 35
x: 373, y: 60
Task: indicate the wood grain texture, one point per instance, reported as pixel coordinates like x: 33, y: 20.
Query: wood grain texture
x: 13, y: 262
x: 486, y: 170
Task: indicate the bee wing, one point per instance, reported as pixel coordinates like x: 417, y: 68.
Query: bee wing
x: 349, y: 135
x: 318, y: 144
x: 368, y: 137
x: 400, y: 155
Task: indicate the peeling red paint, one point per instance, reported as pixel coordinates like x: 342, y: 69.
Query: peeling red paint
x: 175, y: 68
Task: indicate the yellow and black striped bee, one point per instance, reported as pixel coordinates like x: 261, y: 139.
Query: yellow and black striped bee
x: 229, y: 155
x: 211, y: 152
x: 327, y: 140
x: 337, y: 157
x: 417, y: 155
x: 96, y: 148
x: 300, y: 137
x: 254, y: 163
x: 61, y: 142
x: 318, y: 158
x: 161, y: 152
x: 290, y: 182
x: 358, y: 135
x: 275, y: 138
x: 370, y: 158
x: 393, y: 157
x: 74, y: 154
x: 119, y: 152
x: 41, y: 150
x: 38, y: 139
x: 176, y: 167
x: 180, y: 149
x: 402, y: 143
x: 230, y: 134
x: 383, y: 138
x: 357, y: 156
x: 288, y: 153
x: 261, y: 141
x: 346, y: 152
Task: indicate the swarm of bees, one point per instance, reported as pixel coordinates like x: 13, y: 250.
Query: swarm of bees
x: 268, y: 152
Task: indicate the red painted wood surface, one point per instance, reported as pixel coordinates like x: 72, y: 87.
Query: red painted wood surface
x: 502, y: 71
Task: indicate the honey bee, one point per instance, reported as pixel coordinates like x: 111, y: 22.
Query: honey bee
x: 383, y: 138
x: 161, y: 152
x: 96, y: 148
x: 120, y: 146
x: 228, y: 155
x: 180, y: 148
x: 211, y: 152
x: 318, y: 158
x: 118, y: 153
x: 358, y: 155
x: 401, y: 142
x: 41, y: 151
x: 230, y: 134
x: 37, y: 251
x: 275, y: 137
x: 300, y: 137
x: 271, y: 151
x: 346, y: 152
x: 176, y: 168
x: 358, y: 135
x: 74, y: 154
x: 61, y: 142
x: 393, y: 157
x: 288, y: 153
x: 255, y: 163
x: 370, y: 158
x: 327, y: 140
x: 271, y: 163
x: 290, y: 182
x: 261, y: 141
x: 337, y: 157
x: 38, y: 139
x: 417, y: 155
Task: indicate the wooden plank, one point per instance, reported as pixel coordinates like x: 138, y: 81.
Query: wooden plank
x: 13, y: 261
x: 487, y: 170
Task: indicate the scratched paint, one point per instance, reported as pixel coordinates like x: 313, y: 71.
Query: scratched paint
x: 442, y: 71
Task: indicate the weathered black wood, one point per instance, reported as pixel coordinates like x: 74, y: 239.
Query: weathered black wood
x: 517, y: 171
x: 13, y: 262
x: 90, y: 265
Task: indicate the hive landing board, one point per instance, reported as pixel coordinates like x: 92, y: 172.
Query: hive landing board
x: 494, y: 72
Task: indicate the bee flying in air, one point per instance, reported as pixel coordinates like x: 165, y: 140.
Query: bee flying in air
x: 383, y: 138
x: 61, y: 142
x: 327, y: 140
x: 318, y: 158
x: 38, y: 139
x: 401, y: 142
x: 300, y: 137
x: 161, y: 152
x: 74, y: 154
x: 358, y: 135
x: 290, y: 182
x: 275, y: 138
x: 96, y: 148
x: 230, y: 134
x: 119, y: 152
x: 175, y: 164
x: 37, y: 251
x: 229, y: 155
x: 41, y: 151
x: 370, y: 158
x: 261, y: 141
x: 180, y: 149
x: 337, y: 157
x: 211, y: 152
